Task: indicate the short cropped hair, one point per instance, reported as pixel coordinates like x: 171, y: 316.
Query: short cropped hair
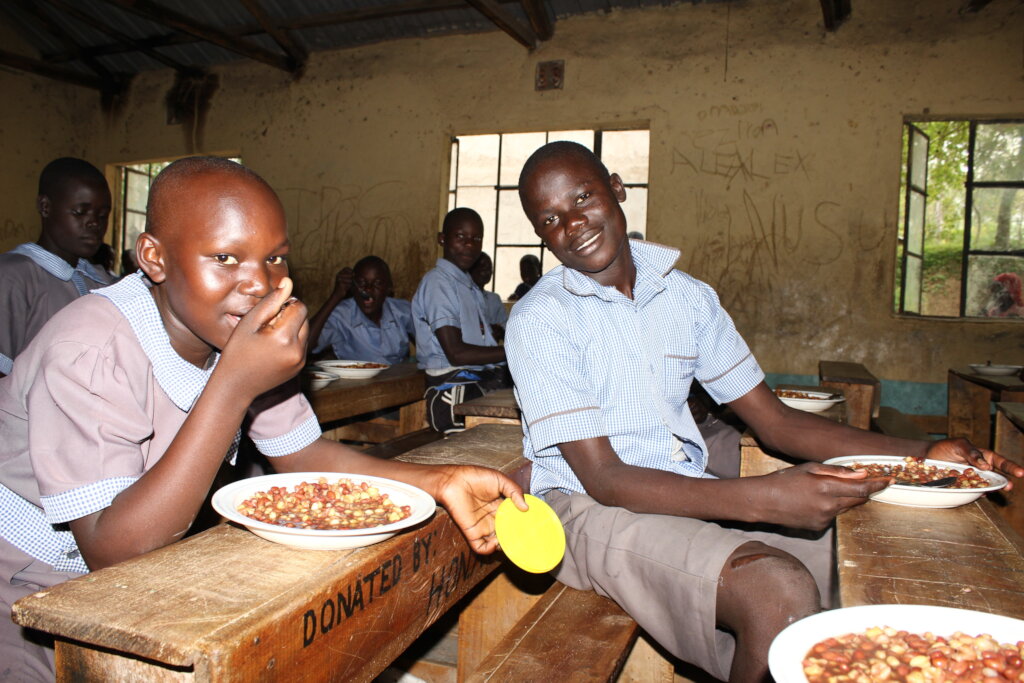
x: 456, y: 216
x: 59, y: 171
x: 372, y: 260
x: 182, y: 170
x: 558, y: 150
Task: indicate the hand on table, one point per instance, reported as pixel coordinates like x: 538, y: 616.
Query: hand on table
x: 963, y: 451
x: 810, y: 495
x: 471, y: 495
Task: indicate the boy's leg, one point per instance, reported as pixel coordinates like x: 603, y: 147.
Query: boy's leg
x: 666, y: 572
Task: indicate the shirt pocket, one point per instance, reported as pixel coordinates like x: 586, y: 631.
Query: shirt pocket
x: 678, y: 376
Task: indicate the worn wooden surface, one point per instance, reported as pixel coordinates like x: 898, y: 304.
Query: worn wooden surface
x: 862, y: 389
x: 568, y: 635
x: 964, y: 557
x: 400, y: 386
x: 1009, y: 442
x: 500, y: 403
x: 892, y: 422
x: 226, y: 605
x: 969, y: 399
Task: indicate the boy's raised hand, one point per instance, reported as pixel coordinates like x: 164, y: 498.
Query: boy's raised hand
x: 268, y: 347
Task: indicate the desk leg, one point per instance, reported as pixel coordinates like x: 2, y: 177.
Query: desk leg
x: 1009, y: 443
x: 412, y: 417
x: 968, y: 411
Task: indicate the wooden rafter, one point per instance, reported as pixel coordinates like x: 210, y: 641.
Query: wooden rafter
x: 975, y: 5
x: 55, y: 29
x: 506, y: 22
x: 127, y: 40
x: 39, y: 68
x: 179, y: 22
x: 835, y: 12
x: 295, y: 51
x: 537, y: 13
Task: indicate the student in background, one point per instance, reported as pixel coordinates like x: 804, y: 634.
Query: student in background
x: 603, y: 351
x: 117, y: 417
x: 454, y: 342
x: 494, y: 309
x: 370, y: 325
x: 38, y: 279
x: 529, y: 272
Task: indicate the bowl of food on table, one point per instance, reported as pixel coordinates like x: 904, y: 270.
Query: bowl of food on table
x: 899, y: 643
x: 323, y: 510
x: 810, y: 401
x: 924, y: 483
x: 317, y: 378
x: 353, y: 369
x: 995, y: 369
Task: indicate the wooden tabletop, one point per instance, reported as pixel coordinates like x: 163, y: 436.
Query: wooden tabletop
x: 997, y: 383
x: 398, y: 385
x: 500, y: 403
x: 225, y: 605
x: 965, y: 557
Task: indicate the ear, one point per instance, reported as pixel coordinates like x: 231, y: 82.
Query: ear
x: 440, y: 238
x: 618, y: 189
x: 149, y: 254
x: 43, y: 205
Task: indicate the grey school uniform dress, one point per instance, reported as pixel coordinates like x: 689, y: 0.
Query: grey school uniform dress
x: 92, y: 404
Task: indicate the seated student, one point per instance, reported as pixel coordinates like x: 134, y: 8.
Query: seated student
x: 370, y: 325
x: 38, y: 279
x: 454, y: 343
x: 494, y: 309
x: 529, y: 272
x: 118, y: 415
x: 603, y: 352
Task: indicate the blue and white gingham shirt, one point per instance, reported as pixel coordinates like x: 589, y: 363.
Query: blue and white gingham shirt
x: 32, y: 529
x: 353, y: 336
x: 589, y: 362
x: 448, y: 297
x: 62, y: 270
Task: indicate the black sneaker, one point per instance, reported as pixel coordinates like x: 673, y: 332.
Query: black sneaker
x: 441, y: 401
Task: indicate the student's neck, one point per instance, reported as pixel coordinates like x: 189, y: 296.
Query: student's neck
x: 620, y: 274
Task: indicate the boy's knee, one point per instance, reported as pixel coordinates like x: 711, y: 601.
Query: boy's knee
x: 758, y: 579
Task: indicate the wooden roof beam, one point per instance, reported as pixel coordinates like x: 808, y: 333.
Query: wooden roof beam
x: 56, y: 73
x: 296, y: 52
x: 161, y: 15
x: 506, y: 22
x: 537, y: 12
x: 835, y: 13
x: 974, y: 5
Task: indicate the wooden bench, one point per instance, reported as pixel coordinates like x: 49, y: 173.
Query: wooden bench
x: 892, y: 422
x: 497, y: 407
x: 1009, y: 442
x: 862, y: 389
x: 970, y: 397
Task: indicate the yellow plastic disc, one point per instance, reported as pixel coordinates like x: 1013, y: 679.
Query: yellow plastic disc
x: 534, y: 540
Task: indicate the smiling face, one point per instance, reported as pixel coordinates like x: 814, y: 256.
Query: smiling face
x: 372, y: 283
x: 462, y: 238
x: 74, y: 218
x: 574, y: 208
x: 218, y: 245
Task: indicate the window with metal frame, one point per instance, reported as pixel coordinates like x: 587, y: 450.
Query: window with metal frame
x: 961, y: 240
x: 484, y: 176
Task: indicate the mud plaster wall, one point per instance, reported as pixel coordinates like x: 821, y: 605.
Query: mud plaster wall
x: 774, y: 156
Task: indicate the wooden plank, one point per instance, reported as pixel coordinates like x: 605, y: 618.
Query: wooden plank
x: 403, y: 444
x: 1009, y: 442
x: 965, y: 557
x: 862, y: 389
x: 400, y: 385
x: 892, y: 422
x: 500, y: 404
x: 497, y: 446
x: 968, y: 409
x: 647, y: 664
x: 569, y: 635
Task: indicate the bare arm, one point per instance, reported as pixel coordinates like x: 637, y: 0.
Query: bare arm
x: 342, y: 289
x: 459, y: 352
x: 160, y: 506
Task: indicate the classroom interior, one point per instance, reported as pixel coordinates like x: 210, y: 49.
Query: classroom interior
x: 775, y: 153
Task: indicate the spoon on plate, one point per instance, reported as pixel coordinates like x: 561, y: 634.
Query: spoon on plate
x: 939, y: 483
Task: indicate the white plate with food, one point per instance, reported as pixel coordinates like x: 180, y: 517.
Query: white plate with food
x: 810, y: 401
x: 317, y: 378
x: 791, y: 651
x: 994, y: 370
x: 971, y: 483
x: 363, y: 510
x: 353, y: 369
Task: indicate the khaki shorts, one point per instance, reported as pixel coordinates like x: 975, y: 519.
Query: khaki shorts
x: 663, y: 570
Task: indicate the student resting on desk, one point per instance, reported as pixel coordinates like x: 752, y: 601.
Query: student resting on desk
x: 38, y: 279
x: 603, y: 352
x: 369, y: 325
x: 494, y: 309
x: 454, y: 343
x: 116, y: 418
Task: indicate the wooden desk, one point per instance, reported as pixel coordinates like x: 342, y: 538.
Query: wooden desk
x: 225, y: 605
x: 400, y: 386
x: 970, y: 399
x: 965, y: 557
x: 1009, y: 442
x: 862, y: 389
x: 497, y: 407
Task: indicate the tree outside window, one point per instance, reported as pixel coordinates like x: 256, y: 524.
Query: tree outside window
x: 961, y: 245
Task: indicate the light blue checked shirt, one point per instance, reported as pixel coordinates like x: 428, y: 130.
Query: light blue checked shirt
x: 448, y: 297
x: 494, y: 309
x: 589, y: 362
x: 353, y: 336
x: 83, y: 277
x: 34, y: 508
